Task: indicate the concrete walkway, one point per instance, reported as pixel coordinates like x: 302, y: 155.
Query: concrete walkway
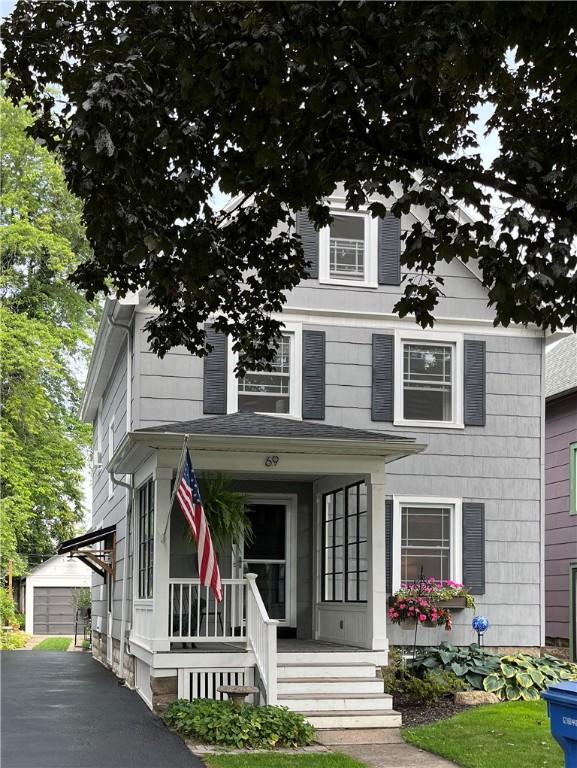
x: 381, y: 748
x: 64, y: 710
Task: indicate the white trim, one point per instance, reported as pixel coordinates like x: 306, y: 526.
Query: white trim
x: 390, y: 321
x: 425, y: 338
x: 294, y: 331
x: 371, y: 225
x: 111, y: 485
x: 456, y: 532
x: 290, y: 502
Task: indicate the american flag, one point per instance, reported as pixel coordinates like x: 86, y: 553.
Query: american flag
x: 188, y: 495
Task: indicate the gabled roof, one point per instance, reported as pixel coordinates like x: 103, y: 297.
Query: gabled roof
x: 561, y: 368
x: 256, y: 425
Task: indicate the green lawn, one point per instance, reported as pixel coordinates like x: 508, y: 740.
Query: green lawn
x: 53, y: 644
x: 505, y: 735
x: 272, y: 760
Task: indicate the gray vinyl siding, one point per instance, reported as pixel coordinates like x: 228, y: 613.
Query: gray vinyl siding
x: 111, y: 511
x: 560, y: 526
x: 498, y: 465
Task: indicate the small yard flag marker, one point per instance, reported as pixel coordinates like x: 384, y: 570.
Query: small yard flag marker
x: 188, y: 495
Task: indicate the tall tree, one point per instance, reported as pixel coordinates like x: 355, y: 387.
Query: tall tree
x: 45, y: 331
x: 279, y: 102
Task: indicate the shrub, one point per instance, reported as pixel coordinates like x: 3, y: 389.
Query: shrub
x: 219, y: 722
x: 510, y: 677
x: 524, y: 677
x: 429, y: 687
x: 8, y: 617
x: 12, y: 641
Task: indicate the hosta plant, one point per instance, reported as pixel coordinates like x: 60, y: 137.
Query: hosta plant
x: 524, y: 677
x: 471, y: 664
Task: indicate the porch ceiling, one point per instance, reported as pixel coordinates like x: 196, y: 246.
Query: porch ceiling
x: 254, y: 433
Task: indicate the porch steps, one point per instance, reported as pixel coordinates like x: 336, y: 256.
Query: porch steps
x: 338, y: 690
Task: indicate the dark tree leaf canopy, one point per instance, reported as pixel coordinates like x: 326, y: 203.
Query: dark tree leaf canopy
x: 279, y: 103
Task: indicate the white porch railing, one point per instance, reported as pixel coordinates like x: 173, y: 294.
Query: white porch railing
x: 241, y: 617
x: 196, y: 617
x: 261, y: 634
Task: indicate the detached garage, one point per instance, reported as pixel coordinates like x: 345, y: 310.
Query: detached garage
x: 49, y: 607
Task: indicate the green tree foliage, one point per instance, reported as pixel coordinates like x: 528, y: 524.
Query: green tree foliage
x: 45, y: 332
x: 279, y: 102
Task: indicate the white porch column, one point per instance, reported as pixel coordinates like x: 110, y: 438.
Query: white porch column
x: 377, y: 594
x: 160, y: 616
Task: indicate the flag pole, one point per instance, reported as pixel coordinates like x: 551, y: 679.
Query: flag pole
x: 175, y: 486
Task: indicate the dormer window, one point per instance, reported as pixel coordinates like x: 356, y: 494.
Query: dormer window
x: 348, y: 249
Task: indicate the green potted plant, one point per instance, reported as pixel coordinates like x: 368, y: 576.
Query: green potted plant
x: 225, y: 510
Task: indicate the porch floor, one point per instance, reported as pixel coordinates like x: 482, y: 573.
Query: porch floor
x: 284, y: 645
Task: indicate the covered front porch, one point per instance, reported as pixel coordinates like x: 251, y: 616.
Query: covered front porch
x: 311, y: 580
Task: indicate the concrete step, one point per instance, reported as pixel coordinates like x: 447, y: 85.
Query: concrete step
x: 332, y: 737
x: 325, y: 669
x: 342, y: 685
x: 328, y: 658
x: 333, y: 702
x: 327, y: 720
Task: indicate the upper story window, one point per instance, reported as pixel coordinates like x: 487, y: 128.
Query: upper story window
x: 268, y: 391
x: 277, y: 391
x: 429, y: 377
x: 348, y: 249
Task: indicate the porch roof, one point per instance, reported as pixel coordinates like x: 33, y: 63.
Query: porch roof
x: 250, y: 432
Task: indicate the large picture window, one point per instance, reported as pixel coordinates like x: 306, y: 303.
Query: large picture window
x: 344, y: 556
x: 145, y: 539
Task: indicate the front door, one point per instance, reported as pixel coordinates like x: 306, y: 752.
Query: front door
x: 269, y: 554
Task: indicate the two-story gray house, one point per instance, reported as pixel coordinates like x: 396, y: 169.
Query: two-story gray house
x: 374, y: 451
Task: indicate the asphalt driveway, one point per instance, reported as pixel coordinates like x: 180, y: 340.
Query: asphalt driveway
x: 64, y: 710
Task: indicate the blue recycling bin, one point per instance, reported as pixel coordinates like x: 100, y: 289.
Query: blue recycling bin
x: 561, y: 701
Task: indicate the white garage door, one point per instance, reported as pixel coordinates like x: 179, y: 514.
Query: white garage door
x: 54, y: 611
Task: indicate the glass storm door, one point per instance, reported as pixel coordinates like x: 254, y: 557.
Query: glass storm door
x: 267, y: 556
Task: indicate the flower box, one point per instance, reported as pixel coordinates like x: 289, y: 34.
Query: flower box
x: 455, y: 604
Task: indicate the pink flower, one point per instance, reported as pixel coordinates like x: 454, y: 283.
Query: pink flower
x: 422, y: 617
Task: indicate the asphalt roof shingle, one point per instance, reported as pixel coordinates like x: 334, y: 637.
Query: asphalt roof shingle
x: 561, y: 367
x: 256, y: 425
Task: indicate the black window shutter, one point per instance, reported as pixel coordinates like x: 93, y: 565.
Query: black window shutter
x: 214, y: 384
x: 314, y: 374
x: 389, y: 250
x: 474, y: 384
x: 310, y: 240
x: 474, y: 547
x: 389, y: 544
x: 383, y: 377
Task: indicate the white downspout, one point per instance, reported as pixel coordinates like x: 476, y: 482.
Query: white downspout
x: 128, y: 486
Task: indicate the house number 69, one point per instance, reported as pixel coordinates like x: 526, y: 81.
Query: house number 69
x: 271, y: 461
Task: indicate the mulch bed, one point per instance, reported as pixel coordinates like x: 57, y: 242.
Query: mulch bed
x: 423, y: 714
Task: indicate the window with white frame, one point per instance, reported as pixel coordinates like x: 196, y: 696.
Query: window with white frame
x: 429, y: 381
x: 276, y: 391
x: 268, y: 391
x: 348, y: 249
x: 427, y: 536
